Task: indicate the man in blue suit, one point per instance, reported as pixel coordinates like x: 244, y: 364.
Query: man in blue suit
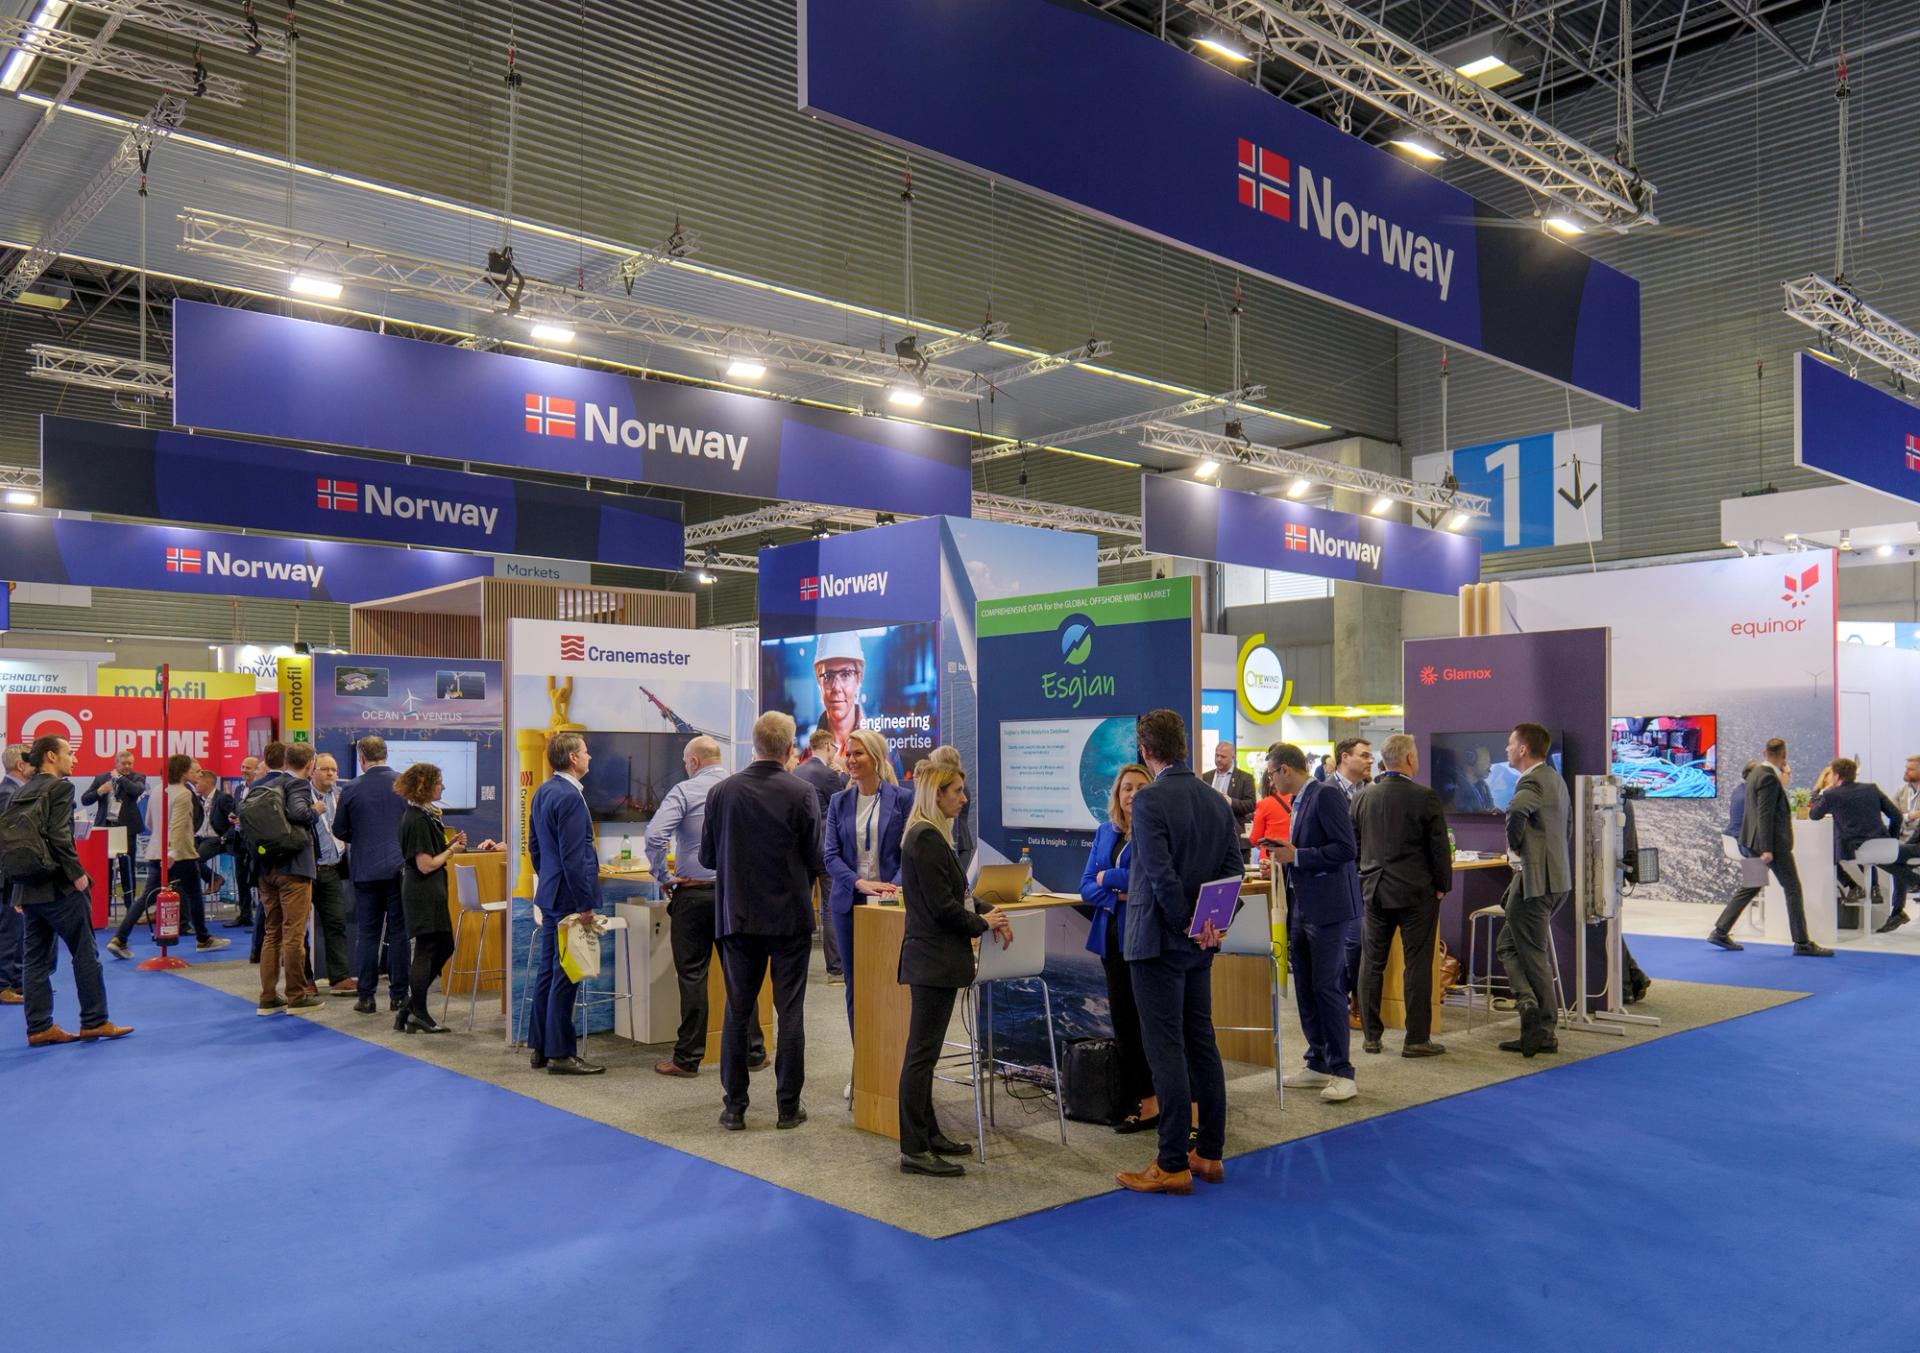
x: 1184, y: 835
x: 1323, y: 910
x: 368, y: 820
x: 566, y: 863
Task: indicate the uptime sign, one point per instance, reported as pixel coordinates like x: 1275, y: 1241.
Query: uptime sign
x: 1266, y: 184
x: 552, y: 416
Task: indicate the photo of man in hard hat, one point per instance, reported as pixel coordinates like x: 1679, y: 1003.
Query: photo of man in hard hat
x: 839, y: 666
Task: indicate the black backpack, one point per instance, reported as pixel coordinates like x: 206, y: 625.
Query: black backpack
x: 1090, y: 1069
x: 24, y: 857
x: 264, y: 826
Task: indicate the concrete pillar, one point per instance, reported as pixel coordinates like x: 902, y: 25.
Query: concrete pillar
x: 1366, y: 619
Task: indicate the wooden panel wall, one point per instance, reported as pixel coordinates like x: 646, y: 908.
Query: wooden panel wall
x: 513, y: 599
x: 415, y: 634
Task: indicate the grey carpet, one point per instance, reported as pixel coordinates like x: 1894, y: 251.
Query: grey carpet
x: 1027, y: 1170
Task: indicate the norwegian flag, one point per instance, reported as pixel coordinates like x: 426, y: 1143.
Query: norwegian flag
x: 1913, y: 452
x: 1296, y: 537
x: 810, y: 589
x: 1266, y: 181
x: 338, y: 495
x: 182, y: 560
x: 551, y: 416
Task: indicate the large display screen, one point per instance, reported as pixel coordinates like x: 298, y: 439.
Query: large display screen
x: 1059, y: 773
x: 458, y: 760
x: 883, y: 678
x: 1670, y: 756
x: 1471, y: 773
x: 630, y: 773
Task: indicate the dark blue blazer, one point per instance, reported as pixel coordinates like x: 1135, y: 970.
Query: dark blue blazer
x: 843, y: 852
x: 1105, y: 901
x: 1860, y: 813
x: 565, y: 859
x: 1184, y: 835
x: 368, y: 819
x: 1736, y: 811
x: 1323, y: 882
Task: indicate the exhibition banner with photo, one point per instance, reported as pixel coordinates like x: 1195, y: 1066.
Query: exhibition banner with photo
x: 1217, y: 165
x: 218, y: 563
x: 171, y: 476
x: 1201, y: 521
x: 1853, y: 430
x: 267, y: 375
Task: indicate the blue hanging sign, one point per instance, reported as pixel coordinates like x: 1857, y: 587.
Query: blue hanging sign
x: 1854, y: 431
x: 270, y: 376
x: 1096, y: 114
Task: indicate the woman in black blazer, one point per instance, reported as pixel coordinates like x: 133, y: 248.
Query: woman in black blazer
x: 936, y: 958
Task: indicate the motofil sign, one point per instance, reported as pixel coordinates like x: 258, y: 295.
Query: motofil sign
x: 100, y: 727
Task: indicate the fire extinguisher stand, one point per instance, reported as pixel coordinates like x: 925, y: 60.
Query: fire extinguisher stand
x: 166, y: 902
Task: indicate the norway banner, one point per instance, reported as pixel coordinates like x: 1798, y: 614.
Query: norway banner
x: 1854, y: 431
x: 1200, y: 521
x: 270, y: 376
x: 178, y: 559
x: 170, y: 476
x: 1031, y: 91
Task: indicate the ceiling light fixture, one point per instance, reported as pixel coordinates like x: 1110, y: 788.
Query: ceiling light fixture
x: 46, y: 18
x: 1792, y: 536
x: 1206, y: 469
x: 1489, y: 59
x: 1825, y: 356
x: 1564, y: 225
x: 551, y: 333
x: 1381, y: 506
x: 1299, y: 488
x: 315, y: 285
x: 1418, y: 146
x: 21, y: 498
x: 1884, y: 551
x: 1222, y: 45
x: 1457, y: 522
x: 745, y: 369
x: 1846, y: 539
x: 905, y: 397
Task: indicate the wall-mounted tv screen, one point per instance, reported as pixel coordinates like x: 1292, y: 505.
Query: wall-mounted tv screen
x: 1670, y: 756
x: 458, y: 760
x: 1471, y: 773
x: 631, y: 773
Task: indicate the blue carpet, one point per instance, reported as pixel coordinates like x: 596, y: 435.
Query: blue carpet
x: 1744, y: 1185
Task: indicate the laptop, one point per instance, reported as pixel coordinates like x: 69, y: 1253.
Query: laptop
x: 1002, y: 885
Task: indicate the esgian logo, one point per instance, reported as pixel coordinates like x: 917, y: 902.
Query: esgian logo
x: 1076, y: 640
x: 1075, y: 637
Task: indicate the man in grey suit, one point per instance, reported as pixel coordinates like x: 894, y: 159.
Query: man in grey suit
x: 1542, y: 878
x: 1766, y: 831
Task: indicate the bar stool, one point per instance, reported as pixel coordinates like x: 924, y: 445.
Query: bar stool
x: 466, y: 880
x: 524, y: 1006
x: 1880, y: 853
x: 586, y: 995
x: 1021, y: 961
x: 1250, y: 935
x: 1490, y: 915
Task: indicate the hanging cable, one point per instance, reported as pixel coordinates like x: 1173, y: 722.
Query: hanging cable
x: 502, y: 273
x: 293, y: 98
x: 1842, y: 94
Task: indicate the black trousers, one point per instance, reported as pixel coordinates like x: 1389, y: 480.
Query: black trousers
x: 1175, y: 992
x: 243, y: 884
x: 1525, y: 949
x: 926, y: 1031
x: 691, y: 912
x: 1788, y: 876
x: 1416, y: 925
x: 380, y: 924
x: 430, y: 954
x: 1136, y: 1078
x: 69, y: 920
x: 744, y: 960
x: 185, y: 877
x: 330, y: 920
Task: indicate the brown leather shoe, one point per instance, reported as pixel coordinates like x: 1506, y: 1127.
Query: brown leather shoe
x: 107, y: 1030
x: 8, y: 996
x: 1213, y: 1171
x: 1155, y: 1180
x: 673, y: 1068
x: 49, y: 1036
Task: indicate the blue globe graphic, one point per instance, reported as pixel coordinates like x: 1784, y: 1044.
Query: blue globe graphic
x: 1112, y: 746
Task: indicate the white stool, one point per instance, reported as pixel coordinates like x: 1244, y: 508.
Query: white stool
x: 1880, y: 853
x: 608, y: 923
x: 466, y: 879
x: 1021, y: 961
x: 1251, y: 936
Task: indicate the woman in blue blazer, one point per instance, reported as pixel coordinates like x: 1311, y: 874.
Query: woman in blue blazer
x: 1104, y: 888
x: 862, y: 849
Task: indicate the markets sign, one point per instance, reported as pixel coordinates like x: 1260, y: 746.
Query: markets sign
x: 270, y: 376
x: 1211, y: 163
x: 1200, y: 521
x: 177, y: 559
x: 1854, y: 431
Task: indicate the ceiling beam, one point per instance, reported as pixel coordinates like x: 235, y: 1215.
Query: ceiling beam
x: 1272, y: 460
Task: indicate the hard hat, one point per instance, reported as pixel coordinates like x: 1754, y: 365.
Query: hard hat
x: 845, y: 644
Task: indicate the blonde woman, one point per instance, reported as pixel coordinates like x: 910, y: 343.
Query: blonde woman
x: 862, y: 845
x: 936, y: 958
x: 1103, y: 886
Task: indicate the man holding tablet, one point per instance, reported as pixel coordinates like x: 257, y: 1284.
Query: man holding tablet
x: 1184, y: 837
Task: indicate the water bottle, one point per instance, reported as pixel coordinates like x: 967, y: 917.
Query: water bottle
x: 1452, y: 849
x: 1026, y: 858
x: 626, y: 850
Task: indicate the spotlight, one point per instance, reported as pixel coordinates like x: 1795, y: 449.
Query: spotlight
x: 1884, y: 551
x: 1299, y: 488
x: 905, y: 397
x: 1222, y: 45
x: 1206, y: 469
x: 1418, y: 146
x: 1381, y: 505
x: 21, y: 498
x: 1565, y: 225
x: 504, y: 277
x: 1457, y: 522
x: 820, y: 531
x: 745, y: 369
x: 551, y: 333
x: 1846, y: 539
x: 315, y: 285
x: 1792, y: 536
x: 885, y: 519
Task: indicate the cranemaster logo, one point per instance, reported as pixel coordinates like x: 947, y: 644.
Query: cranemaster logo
x: 573, y: 648
x: 1274, y: 185
x: 553, y: 416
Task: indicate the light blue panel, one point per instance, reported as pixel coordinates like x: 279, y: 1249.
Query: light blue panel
x: 1520, y: 466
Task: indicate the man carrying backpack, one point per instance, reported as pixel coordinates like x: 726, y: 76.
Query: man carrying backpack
x: 277, y: 819
x: 14, y: 762
x: 50, y: 889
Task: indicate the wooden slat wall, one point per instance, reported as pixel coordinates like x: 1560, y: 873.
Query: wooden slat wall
x: 415, y: 634
x: 422, y: 634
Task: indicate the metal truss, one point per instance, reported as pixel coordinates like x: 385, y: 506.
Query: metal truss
x: 25, y: 477
x: 991, y: 332
x: 100, y: 371
x: 275, y: 249
x: 1092, y: 350
x: 1088, y: 431
x: 1121, y: 554
x: 1848, y: 322
x: 990, y: 506
x: 126, y: 164
x: 1352, y: 53
x: 58, y: 45
x: 1057, y: 516
x: 200, y: 25
x: 776, y: 517
x: 1181, y: 441
x: 725, y: 563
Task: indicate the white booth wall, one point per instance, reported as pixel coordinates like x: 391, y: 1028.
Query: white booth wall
x: 1879, y: 711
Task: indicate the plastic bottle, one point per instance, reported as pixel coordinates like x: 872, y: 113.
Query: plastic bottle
x: 1452, y: 848
x: 1026, y: 858
x: 626, y: 849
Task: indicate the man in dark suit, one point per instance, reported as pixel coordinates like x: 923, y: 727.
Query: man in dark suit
x: 12, y: 927
x: 1233, y: 784
x: 1537, y: 819
x: 1323, y: 909
x: 115, y: 798
x: 1406, y: 868
x: 368, y: 820
x: 1766, y: 831
x: 1183, y: 836
x: 1862, y: 813
x: 567, y: 864
x: 762, y: 842
x: 818, y: 771
x: 225, y: 811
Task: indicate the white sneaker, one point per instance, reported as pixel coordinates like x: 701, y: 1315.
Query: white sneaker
x: 1306, y: 1078
x: 1339, y: 1089
x: 847, y: 1094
